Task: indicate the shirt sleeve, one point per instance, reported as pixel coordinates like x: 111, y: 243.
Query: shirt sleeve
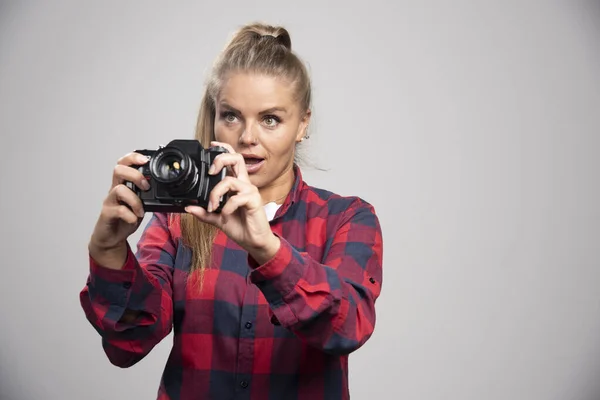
x: 141, y: 288
x: 331, y: 305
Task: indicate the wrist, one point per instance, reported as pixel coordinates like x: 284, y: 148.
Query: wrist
x: 266, y: 252
x: 112, y: 257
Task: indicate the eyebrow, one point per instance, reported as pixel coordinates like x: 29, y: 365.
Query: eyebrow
x: 267, y: 111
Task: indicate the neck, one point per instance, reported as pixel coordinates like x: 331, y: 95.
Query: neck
x: 278, y: 190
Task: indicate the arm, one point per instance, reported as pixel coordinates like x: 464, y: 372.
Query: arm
x: 131, y: 308
x: 331, y: 305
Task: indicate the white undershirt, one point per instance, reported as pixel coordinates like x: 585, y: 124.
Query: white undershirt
x: 271, y: 208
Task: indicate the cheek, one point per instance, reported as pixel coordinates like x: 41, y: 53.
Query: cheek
x: 282, y: 148
x: 224, y: 133
x: 218, y: 133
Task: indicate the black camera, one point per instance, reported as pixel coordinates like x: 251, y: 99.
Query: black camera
x: 178, y: 177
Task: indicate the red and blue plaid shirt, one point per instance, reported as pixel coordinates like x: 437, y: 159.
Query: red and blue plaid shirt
x: 282, y: 330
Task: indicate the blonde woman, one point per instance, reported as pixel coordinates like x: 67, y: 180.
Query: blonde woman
x: 266, y: 298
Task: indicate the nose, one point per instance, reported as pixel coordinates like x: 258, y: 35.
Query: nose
x: 248, y: 137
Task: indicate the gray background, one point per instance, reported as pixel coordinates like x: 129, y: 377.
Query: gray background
x: 473, y: 127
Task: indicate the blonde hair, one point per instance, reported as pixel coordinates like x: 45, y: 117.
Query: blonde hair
x: 254, y: 48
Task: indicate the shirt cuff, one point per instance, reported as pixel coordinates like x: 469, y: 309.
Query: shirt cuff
x: 112, y: 286
x: 110, y: 274
x: 278, y: 277
x: 285, y: 268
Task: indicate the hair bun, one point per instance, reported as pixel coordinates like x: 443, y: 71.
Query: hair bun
x: 283, y: 38
x: 266, y: 32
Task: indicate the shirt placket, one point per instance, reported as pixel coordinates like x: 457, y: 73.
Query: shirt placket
x: 246, y: 342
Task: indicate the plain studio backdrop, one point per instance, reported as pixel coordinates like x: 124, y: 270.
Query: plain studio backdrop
x: 474, y: 129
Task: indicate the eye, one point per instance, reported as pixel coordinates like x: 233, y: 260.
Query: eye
x: 228, y: 116
x: 271, y: 121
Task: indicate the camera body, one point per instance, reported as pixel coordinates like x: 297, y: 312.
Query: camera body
x: 178, y: 176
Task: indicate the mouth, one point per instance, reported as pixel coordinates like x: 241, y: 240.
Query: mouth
x: 253, y: 163
x: 252, y: 160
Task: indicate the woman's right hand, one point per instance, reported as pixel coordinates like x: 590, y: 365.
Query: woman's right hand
x: 121, y: 214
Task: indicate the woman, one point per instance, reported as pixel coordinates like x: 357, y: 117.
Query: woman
x: 267, y: 298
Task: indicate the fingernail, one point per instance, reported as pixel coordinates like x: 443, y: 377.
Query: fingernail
x: 145, y: 184
x: 210, y: 207
x: 211, y: 170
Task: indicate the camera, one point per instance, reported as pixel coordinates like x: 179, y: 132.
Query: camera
x: 178, y: 176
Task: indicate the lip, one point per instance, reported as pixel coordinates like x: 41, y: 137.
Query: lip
x: 253, y: 168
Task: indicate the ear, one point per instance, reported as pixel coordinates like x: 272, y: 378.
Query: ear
x: 303, y: 127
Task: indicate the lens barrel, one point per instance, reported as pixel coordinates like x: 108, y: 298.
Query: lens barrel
x: 174, y: 170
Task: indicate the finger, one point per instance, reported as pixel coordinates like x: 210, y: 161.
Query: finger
x: 126, y: 164
x: 122, y: 195
x: 230, y: 149
x: 124, y: 173
x: 123, y: 213
x: 222, y: 144
x: 229, y: 184
x: 238, y: 201
x: 204, y: 216
x: 133, y: 158
x: 235, y: 162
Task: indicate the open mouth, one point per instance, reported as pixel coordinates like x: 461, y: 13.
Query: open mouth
x: 253, y: 163
x: 252, y: 160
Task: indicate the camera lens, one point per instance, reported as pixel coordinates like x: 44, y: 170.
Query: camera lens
x: 174, y: 169
x: 170, y: 168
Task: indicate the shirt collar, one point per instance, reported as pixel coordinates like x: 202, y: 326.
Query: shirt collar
x: 294, y: 193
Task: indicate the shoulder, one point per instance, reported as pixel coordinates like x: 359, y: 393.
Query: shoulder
x: 345, y: 207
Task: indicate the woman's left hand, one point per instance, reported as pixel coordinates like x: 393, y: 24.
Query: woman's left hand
x: 243, y: 218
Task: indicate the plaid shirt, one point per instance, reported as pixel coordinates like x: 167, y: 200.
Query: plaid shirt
x: 281, y: 330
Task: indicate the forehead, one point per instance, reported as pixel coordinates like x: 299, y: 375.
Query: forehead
x: 248, y: 92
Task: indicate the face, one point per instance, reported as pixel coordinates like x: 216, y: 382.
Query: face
x: 258, y: 116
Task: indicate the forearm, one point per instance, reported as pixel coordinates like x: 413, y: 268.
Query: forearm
x: 262, y: 254
x: 112, y: 258
x: 330, y: 310
x: 128, y: 307
x: 338, y: 321
x: 117, y: 310
x: 128, y: 297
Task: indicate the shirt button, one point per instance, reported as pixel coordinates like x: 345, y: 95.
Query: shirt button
x: 248, y: 325
x: 371, y: 280
x: 244, y: 384
x: 126, y: 285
